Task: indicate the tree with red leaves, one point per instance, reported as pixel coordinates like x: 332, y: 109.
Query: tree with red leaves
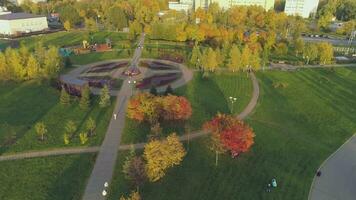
x: 229, y: 134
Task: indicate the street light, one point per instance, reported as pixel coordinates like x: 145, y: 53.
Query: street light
x: 232, y: 100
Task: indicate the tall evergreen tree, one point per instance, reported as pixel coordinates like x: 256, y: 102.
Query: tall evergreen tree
x: 85, y: 98
x: 104, y: 97
x: 65, y: 97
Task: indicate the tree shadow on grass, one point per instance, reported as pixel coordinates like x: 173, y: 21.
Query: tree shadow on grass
x: 72, y: 181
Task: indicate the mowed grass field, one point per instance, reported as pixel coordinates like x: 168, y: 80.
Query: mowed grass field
x: 297, y: 128
x: 55, y: 178
x: 73, y: 38
x: 25, y: 104
x: 208, y: 96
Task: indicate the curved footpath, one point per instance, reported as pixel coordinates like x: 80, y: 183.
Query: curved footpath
x: 80, y: 150
x: 338, y: 175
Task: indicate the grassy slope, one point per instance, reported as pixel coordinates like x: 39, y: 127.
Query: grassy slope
x: 203, y: 95
x: 72, y: 38
x: 23, y: 105
x: 296, y: 129
x: 55, y: 178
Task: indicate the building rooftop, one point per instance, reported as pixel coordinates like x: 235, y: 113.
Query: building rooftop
x: 15, y: 16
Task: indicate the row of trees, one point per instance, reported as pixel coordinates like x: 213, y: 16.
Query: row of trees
x: 234, y: 59
x: 85, y: 98
x: 70, y: 130
x: 23, y: 64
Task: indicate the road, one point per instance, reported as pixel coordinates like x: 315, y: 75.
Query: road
x: 338, y: 175
x: 332, y: 41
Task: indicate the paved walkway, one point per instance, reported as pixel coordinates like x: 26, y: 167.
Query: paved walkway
x: 106, y: 159
x: 46, y: 153
x: 338, y: 175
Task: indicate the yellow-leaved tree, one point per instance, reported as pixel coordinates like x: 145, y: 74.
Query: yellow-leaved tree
x: 161, y: 155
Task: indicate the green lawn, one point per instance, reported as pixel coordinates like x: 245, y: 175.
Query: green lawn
x: 25, y: 104
x: 73, y: 38
x: 55, y: 178
x: 96, y: 57
x: 207, y: 96
x: 296, y: 128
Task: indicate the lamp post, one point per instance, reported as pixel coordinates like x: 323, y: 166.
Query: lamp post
x: 97, y: 19
x: 232, y: 100
x: 132, y: 83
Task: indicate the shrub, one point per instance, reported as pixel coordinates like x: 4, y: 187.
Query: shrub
x: 280, y: 85
x: 83, y: 138
x: 66, y: 138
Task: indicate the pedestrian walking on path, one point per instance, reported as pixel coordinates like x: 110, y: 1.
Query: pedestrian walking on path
x: 115, y: 116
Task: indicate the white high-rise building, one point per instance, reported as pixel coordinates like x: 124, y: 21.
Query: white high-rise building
x: 19, y: 2
x: 303, y: 8
x: 225, y: 4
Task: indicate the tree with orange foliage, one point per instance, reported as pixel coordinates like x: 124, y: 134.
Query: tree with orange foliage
x: 229, y: 134
x: 176, y: 108
x: 147, y: 107
x: 143, y: 107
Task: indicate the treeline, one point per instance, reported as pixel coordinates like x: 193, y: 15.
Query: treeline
x: 22, y: 64
x: 248, y: 57
x: 344, y: 10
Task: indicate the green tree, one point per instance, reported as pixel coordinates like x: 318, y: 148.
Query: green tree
x: 246, y: 57
x: 116, y: 18
x: 4, y: 72
x: 210, y: 60
x: 299, y: 46
x: 41, y: 130
x: 346, y: 10
x: 69, y: 14
x: 90, y: 24
x: 104, y: 97
x: 310, y: 53
x: 65, y: 97
x: 83, y: 137
x: 326, y: 53
x: 33, y: 68
x: 13, y: 60
x: 66, y: 138
x: 67, y: 25
x: 255, y: 61
x: 90, y: 126
x: 85, y: 98
x: 24, y: 54
x: 235, y: 63
x: 52, y: 62
x: 196, y: 57
x: 70, y: 128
